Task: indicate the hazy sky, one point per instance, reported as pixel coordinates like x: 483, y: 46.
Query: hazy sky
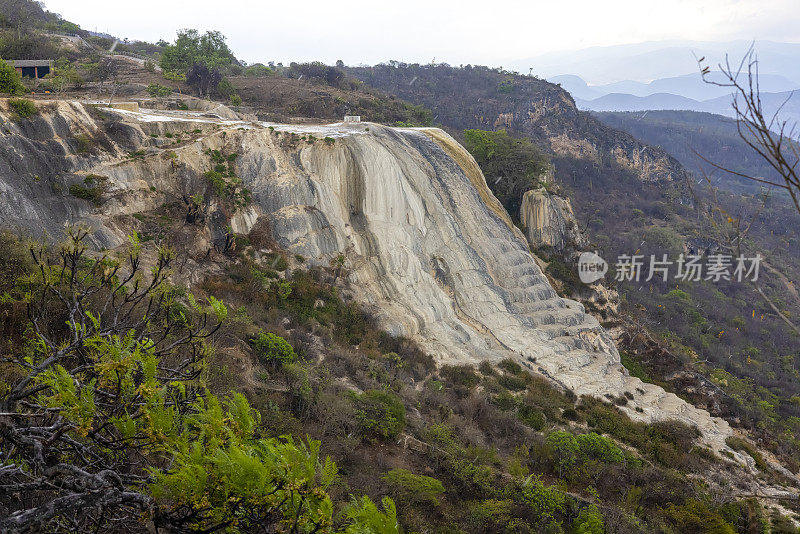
x: 485, y: 32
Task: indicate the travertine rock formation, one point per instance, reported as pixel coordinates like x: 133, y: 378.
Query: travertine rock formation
x: 427, y: 246
x: 548, y: 221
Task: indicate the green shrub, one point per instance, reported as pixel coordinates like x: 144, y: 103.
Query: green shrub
x: 634, y: 367
x: 257, y: 70
x: 273, y: 349
x: 565, y: 449
x: 217, y: 182
x: 505, y: 400
x: 280, y: 264
x: 414, y: 488
x: 513, y: 382
x: 10, y: 80
x: 381, y: 414
x: 473, y: 478
x: 225, y: 88
x: 156, y: 90
x: 589, y: 521
x: 546, y: 502
x: 596, y: 447
x: 697, y: 516
x: 92, y: 189
x: 532, y: 417
x: 22, y: 107
x: 236, y: 100
x: 570, y: 414
x: 510, y: 366
x: 460, y: 375
x: 489, y: 513
x: 84, y: 143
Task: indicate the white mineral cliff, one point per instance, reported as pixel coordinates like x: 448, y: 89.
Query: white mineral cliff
x: 428, y: 248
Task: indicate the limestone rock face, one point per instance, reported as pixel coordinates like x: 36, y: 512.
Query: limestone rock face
x: 427, y: 247
x: 549, y: 220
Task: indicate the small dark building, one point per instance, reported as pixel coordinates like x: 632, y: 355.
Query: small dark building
x: 33, y: 68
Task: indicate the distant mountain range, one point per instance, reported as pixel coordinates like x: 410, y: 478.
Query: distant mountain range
x: 788, y: 102
x: 689, y: 85
x: 665, y: 76
x: 645, y: 62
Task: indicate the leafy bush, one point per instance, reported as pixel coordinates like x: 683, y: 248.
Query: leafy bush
x: 258, y: 70
x: 92, y: 188
x: 596, y: 447
x: 199, y: 453
x: 156, y: 90
x: 10, y: 80
x: 461, y: 375
x: 414, y: 488
x: 565, y: 449
x: 236, y: 100
x: 225, y: 88
x: 663, y: 240
x: 272, y: 349
x: 381, y: 414
x: 589, y: 521
x: 532, y: 417
x: 490, y: 513
x: 697, y: 516
x: 22, y: 107
x: 546, y: 502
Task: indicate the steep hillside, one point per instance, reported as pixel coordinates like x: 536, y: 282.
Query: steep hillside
x: 488, y: 99
x: 692, y: 137
x: 405, y: 222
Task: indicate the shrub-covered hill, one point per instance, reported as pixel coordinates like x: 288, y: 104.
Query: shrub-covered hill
x: 458, y: 449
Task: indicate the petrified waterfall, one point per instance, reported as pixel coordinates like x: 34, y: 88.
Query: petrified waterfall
x: 427, y: 247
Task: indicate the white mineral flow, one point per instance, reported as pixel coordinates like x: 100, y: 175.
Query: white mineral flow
x: 427, y: 247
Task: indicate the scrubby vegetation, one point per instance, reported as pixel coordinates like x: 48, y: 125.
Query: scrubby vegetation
x: 493, y: 449
x: 512, y: 165
x: 115, y: 423
x: 22, y: 108
x: 223, y: 181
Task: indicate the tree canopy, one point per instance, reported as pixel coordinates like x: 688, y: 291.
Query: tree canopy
x: 190, y: 48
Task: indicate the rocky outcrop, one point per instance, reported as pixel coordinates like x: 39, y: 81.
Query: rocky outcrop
x: 548, y: 221
x: 427, y: 247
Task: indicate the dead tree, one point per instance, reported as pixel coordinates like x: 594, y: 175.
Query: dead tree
x: 771, y: 137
